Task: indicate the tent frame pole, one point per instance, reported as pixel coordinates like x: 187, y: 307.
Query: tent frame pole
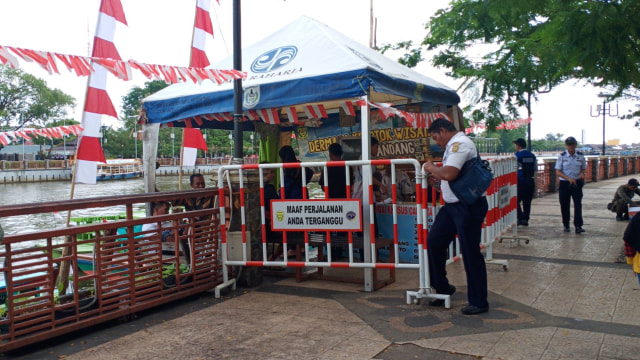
x: 365, y: 137
x: 237, y: 84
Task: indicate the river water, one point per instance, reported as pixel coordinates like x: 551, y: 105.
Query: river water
x: 21, y: 193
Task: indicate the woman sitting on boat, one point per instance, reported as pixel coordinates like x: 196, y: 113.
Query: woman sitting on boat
x: 157, y: 209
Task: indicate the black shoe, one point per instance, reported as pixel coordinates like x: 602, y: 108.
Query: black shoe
x: 626, y: 216
x: 523, y: 222
x: 440, y: 302
x: 567, y: 229
x: 579, y: 229
x: 474, y: 310
x: 619, y: 218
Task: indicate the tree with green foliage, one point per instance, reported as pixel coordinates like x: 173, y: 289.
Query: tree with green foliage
x: 132, y: 102
x: 512, y: 50
x: 27, y: 101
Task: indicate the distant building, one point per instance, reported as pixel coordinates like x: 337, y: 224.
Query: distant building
x: 21, y: 152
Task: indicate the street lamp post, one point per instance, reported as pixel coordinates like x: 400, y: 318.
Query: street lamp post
x: 135, y: 137
x: 173, y: 143
x: 253, y: 149
x: 604, y: 111
x: 230, y: 145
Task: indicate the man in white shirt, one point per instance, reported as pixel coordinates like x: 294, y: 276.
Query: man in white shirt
x: 456, y: 218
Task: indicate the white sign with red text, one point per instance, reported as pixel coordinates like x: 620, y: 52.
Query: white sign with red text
x: 316, y: 215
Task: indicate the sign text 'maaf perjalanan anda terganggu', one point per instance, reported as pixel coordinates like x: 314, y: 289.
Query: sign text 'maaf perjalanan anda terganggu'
x: 316, y: 215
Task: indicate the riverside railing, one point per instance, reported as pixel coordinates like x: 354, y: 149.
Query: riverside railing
x: 116, y: 269
x: 598, y: 168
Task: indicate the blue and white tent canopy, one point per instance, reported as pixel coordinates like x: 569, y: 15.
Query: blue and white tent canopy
x: 306, y: 62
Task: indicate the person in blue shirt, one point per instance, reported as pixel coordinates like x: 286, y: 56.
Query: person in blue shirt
x: 570, y: 169
x: 527, y: 168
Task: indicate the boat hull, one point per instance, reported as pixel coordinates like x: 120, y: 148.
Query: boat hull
x: 104, y: 177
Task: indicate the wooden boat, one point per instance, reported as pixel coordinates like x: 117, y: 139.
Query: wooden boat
x: 119, y: 169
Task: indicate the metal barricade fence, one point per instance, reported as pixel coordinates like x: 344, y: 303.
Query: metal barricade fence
x: 322, y: 239
x: 501, y: 216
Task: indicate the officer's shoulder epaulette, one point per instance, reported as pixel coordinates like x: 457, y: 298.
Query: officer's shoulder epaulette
x: 563, y: 153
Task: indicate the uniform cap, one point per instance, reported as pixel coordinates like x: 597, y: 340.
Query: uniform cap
x: 633, y: 182
x: 520, y: 142
x: 571, y: 141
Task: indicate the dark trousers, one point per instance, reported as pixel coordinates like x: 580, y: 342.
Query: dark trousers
x: 566, y: 193
x: 526, y: 189
x: 621, y: 208
x: 466, y: 222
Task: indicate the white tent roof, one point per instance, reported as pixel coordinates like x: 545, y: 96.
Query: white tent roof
x: 304, y: 62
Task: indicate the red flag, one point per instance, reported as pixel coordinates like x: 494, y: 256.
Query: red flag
x: 193, y: 141
x: 97, y: 102
x: 201, y: 27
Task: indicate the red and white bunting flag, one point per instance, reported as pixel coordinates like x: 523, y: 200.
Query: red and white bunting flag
x: 292, y: 114
x: 7, y: 58
x: 202, y: 27
x: 252, y: 115
x: 387, y: 111
x: 76, y: 129
x: 97, y: 102
x: 270, y: 116
x: 316, y: 111
x: 193, y: 141
x: 23, y: 134
x: 82, y: 65
x: 4, y: 140
x: 348, y: 108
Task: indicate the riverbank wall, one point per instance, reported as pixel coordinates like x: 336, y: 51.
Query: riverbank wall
x: 41, y: 175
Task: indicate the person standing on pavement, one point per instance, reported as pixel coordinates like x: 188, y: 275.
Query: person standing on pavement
x: 570, y: 169
x: 456, y: 218
x: 527, y: 166
x: 631, y: 239
x: 622, y: 199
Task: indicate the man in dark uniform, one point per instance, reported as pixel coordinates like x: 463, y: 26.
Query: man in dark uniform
x: 623, y: 199
x: 456, y: 218
x: 570, y: 169
x: 527, y: 166
x: 336, y: 175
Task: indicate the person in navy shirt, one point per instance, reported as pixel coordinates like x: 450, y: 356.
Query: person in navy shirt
x: 570, y: 169
x: 527, y: 168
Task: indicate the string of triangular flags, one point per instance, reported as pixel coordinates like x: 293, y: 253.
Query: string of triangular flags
x: 415, y: 120
x: 315, y: 113
x: 6, y: 137
x: 507, y: 125
x: 82, y: 66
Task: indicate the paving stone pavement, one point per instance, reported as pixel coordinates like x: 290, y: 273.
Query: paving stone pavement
x: 563, y: 297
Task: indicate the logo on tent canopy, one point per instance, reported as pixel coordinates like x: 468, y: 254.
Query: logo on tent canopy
x: 251, y: 97
x: 274, y: 59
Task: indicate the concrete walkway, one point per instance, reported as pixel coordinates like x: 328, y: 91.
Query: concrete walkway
x: 563, y: 297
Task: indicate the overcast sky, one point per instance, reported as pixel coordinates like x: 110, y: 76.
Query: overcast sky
x: 159, y: 32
